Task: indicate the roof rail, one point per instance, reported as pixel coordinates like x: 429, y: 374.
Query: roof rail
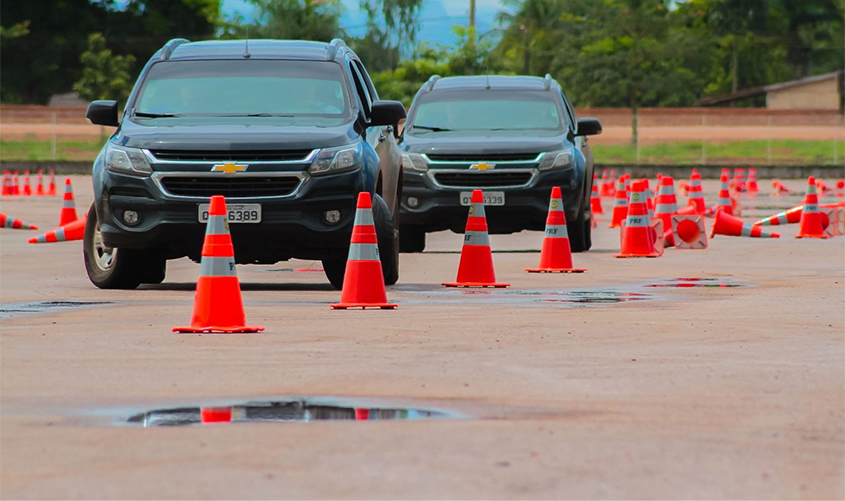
x: 170, y: 46
x: 547, y: 82
x: 334, y: 46
x: 430, y: 84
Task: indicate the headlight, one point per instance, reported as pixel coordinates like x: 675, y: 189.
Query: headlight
x: 335, y: 159
x: 553, y: 159
x: 414, y: 161
x: 127, y: 160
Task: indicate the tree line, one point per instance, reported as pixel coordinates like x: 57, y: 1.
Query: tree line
x: 630, y: 53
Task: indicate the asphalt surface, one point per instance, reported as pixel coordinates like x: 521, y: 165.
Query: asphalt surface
x: 598, y: 385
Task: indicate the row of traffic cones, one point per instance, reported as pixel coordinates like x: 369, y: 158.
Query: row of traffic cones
x: 12, y: 185
x: 70, y: 226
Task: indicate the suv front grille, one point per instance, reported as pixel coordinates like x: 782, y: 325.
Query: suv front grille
x: 483, y: 157
x: 234, y: 186
x: 231, y: 156
x: 482, y: 179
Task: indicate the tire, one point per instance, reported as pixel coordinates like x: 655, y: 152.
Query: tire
x: 412, y: 239
x: 580, y: 233
x: 388, y: 249
x: 153, y: 270
x: 388, y: 240
x: 107, y: 268
x: 335, y: 269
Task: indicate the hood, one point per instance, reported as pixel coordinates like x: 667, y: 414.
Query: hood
x: 178, y: 134
x: 446, y: 143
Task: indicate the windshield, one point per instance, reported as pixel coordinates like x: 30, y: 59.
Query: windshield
x: 486, y: 110
x: 232, y: 88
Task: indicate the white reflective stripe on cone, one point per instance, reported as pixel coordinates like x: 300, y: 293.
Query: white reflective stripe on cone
x: 364, y: 217
x: 621, y: 202
x: 476, y: 238
x: 42, y: 239
x: 215, y: 266
x: 637, y: 221
x: 810, y: 208
x: 60, y: 234
x: 637, y: 197
x: 746, y: 230
x: 68, y: 203
x: 217, y: 225
x: 556, y: 231
x: 556, y: 205
x: 726, y: 202
x: 10, y: 221
x: 477, y: 210
x: 68, y: 188
x: 666, y: 208
x: 363, y: 252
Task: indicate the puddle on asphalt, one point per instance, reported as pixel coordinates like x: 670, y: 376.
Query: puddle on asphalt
x: 718, y: 283
x: 557, y: 297
x: 8, y: 310
x: 282, y: 411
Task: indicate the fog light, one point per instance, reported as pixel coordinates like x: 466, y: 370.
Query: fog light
x: 331, y: 216
x: 413, y: 202
x: 131, y: 217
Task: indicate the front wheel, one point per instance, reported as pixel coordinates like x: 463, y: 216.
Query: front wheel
x: 107, y: 267
x: 580, y: 233
x: 412, y: 239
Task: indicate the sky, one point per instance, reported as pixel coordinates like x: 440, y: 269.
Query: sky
x: 436, y: 18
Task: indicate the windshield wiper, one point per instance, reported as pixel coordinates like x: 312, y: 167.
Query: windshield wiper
x: 249, y: 115
x: 141, y: 114
x: 430, y: 128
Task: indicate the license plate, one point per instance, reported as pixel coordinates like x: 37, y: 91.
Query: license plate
x: 490, y: 198
x: 238, y: 213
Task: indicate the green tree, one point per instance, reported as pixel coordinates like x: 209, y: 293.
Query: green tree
x: 395, y: 19
x: 104, y: 75
x: 531, y: 26
x: 296, y: 20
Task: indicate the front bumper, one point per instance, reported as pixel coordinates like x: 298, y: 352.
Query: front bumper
x: 526, y: 206
x: 291, y: 226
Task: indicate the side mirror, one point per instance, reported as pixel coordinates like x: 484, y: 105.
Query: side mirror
x: 103, y: 113
x: 588, y: 127
x: 387, y: 113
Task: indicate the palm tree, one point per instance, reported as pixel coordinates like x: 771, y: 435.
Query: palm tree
x: 531, y: 18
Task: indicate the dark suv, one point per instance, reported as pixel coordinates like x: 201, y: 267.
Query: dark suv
x: 288, y: 131
x: 515, y: 137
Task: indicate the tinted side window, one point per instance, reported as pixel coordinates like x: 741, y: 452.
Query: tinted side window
x: 370, y: 87
x: 569, y: 111
x: 361, y: 89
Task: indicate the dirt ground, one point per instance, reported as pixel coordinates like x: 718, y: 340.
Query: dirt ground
x: 652, y: 392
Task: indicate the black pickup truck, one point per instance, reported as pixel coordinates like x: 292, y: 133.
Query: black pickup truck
x: 288, y: 131
x: 515, y: 137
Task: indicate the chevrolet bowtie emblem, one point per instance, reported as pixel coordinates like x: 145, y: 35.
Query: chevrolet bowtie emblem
x: 229, y: 168
x: 482, y: 166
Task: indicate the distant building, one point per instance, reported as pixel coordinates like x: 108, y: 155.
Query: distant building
x: 820, y: 92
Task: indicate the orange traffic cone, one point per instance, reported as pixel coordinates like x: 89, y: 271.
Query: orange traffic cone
x: 15, y: 224
x: 595, y: 199
x: 739, y: 180
x: 75, y: 230
x: 811, y: 224
x: 725, y: 203
x: 638, y: 238
x: 752, y: 181
x: 696, y: 195
x: 39, y: 188
x: 840, y: 188
x: 363, y: 283
x: 27, y: 188
x: 218, y: 306
x: 556, y: 256
x: 620, y: 205
x: 7, y: 184
x: 667, y: 205
x: 68, y: 213
x: 732, y: 226
x: 779, y: 188
x: 789, y: 216
x: 476, y: 266
x: 215, y: 415
x: 51, y: 189
x: 689, y: 231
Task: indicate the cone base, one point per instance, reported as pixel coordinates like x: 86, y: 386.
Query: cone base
x: 214, y: 328
x: 475, y: 284
x: 812, y: 236
x: 555, y: 270
x: 364, y: 306
x: 653, y: 254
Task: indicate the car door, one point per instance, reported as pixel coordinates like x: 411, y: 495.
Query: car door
x: 382, y: 140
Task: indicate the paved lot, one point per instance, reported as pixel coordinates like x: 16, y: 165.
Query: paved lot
x: 653, y: 392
